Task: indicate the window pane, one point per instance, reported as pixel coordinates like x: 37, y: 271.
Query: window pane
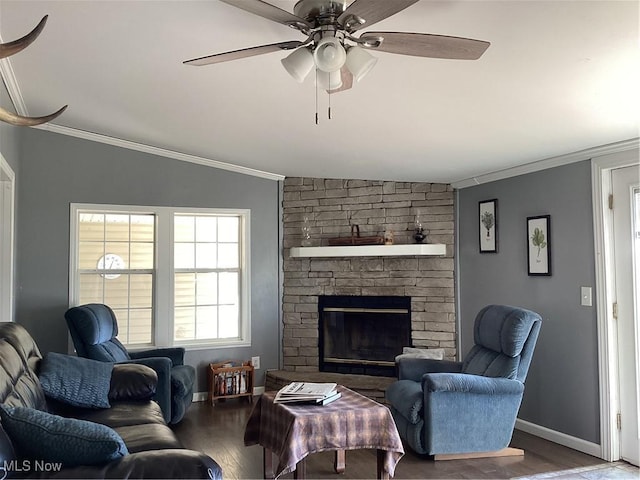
x: 206, y: 229
x: 228, y: 321
x: 117, y: 228
x: 90, y: 288
x: 141, y: 290
x: 207, y: 288
x: 185, y: 289
x: 89, y: 253
x: 228, y: 255
x: 228, y: 229
x: 184, y: 256
x: 142, y: 256
x: 184, y: 326
x: 140, y: 326
x: 121, y: 249
x: 142, y: 228
x: 206, y: 323
x: 184, y: 228
x: 116, y: 291
x: 91, y: 227
x: 228, y: 288
x: 205, y: 255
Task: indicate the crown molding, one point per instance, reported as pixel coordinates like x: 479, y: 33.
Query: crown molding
x: 162, y: 152
x: 549, y: 163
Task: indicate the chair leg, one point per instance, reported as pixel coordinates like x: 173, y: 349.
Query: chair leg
x: 505, y: 452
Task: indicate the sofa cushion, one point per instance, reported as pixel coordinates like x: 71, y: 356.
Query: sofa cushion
x: 51, y: 438
x: 407, y: 398
x: 80, y: 382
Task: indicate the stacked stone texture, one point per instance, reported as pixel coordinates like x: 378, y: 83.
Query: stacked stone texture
x: 328, y: 208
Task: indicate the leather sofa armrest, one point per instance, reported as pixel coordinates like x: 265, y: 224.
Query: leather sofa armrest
x: 162, y: 367
x: 167, y: 463
x: 130, y: 381
x: 415, y: 368
x: 175, y: 354
x: 475, y: 384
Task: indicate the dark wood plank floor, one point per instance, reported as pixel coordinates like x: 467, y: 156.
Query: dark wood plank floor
x: 218, y: 431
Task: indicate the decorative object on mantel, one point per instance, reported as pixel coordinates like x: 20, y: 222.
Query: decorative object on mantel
x: 306, y: 232
x: 356, y: 239
x: 419, y: 234
x: 388, y: 237
x: 10, y: 48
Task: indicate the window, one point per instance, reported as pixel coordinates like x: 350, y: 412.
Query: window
x: 172, y: 276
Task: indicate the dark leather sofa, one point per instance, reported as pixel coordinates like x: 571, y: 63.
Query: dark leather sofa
x: 154, y: 451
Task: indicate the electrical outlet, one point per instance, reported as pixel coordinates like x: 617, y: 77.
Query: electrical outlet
x: 255, y: 361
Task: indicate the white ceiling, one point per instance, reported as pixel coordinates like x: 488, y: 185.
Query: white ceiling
x: 559, y: 77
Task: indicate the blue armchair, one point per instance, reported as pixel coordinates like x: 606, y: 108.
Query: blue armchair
x: 94, y: 328
x: 469, y: 408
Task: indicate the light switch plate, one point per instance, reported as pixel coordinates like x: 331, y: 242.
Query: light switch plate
x: 585, y: 297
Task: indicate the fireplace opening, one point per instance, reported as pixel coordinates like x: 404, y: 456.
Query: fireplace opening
x: 362, y: 335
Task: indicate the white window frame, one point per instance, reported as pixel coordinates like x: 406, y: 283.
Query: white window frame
x: 163, y: 294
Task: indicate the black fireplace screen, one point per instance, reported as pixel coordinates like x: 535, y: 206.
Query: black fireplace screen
x: 363, y: 335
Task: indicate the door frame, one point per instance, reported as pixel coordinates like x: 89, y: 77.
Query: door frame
x: 7, y: 257
x: 601, y: 168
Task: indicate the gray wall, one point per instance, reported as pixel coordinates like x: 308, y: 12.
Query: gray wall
x: 561, y: 391
x: 56, y: 170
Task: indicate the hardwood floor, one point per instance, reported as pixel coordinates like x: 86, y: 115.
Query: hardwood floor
x: 219, y: 431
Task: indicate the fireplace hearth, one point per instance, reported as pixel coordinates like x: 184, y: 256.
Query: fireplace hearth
x: 362, y: 334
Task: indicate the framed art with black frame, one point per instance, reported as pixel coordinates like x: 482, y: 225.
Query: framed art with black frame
x: 488, y: 226
x: 539, y: 245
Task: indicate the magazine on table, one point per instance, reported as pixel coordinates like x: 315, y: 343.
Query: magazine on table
x: 304, y: 392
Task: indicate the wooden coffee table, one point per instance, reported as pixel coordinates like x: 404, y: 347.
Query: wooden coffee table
x: 292, y: 432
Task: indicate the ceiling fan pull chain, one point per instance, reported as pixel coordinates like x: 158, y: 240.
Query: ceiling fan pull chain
x: 316, y: 96
x: 329, y: 92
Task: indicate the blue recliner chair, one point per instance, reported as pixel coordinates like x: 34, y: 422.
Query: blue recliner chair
x: 94, y: 328
x: 448, y: 408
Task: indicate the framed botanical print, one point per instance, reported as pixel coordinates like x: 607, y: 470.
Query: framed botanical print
x: 539, y: 245
x: 488, y: 226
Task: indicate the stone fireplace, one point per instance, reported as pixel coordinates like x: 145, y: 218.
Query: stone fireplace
x: 327, y: 208
x: 362, y: 335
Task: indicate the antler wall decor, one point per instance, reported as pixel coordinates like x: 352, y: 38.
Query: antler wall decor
x: 7, y: 49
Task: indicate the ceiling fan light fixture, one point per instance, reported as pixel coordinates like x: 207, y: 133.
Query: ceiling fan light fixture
x: 329, y: 54
x: 328, y: 80
x: 299, y: 63
x: 360, y: 62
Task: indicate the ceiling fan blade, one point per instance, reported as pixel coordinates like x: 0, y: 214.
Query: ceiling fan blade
x: 271, y: 12
x: 426, y: 45
x: 371, y: 11
x: 347, y: 81
x: 242, y: 53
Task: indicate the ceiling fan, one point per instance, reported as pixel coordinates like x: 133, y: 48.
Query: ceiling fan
x: 331, y: 46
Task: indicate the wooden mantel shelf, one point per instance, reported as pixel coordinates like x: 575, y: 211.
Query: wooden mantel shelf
x: 370, y: 250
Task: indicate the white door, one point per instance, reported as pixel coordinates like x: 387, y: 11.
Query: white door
x: 626, y: 225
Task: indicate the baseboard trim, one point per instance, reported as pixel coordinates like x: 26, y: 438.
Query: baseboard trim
x: 583, y: 446
x: 203, y: 396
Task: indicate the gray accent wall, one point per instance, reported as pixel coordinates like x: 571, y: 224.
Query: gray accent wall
x: 561, y: 391
x: 57, y: 170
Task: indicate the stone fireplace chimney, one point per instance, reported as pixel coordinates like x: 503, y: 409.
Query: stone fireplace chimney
x: 325, y: 208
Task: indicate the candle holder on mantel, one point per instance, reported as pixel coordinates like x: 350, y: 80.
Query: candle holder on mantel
x: 419, y: 234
